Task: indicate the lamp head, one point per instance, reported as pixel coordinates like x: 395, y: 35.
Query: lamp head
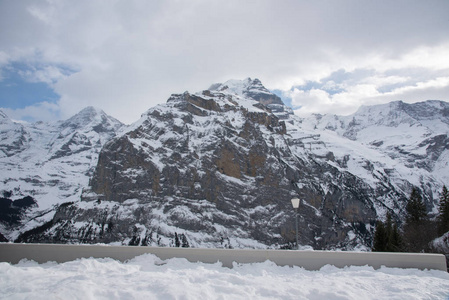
x: 295, y: 202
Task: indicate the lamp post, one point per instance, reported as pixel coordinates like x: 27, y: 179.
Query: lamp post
x: 295, y: 203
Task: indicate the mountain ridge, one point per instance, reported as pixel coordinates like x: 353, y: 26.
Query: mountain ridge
x: 220, y: 165
x: 51, y: 164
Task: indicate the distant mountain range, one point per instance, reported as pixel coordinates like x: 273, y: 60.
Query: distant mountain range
x: 219, y: 167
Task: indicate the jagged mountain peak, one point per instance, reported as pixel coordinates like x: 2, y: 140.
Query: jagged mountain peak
x: 249, y: 88
x: 92, y: 117
x: 431, y: 114
x: 427, y: 117
x: 390, y: 114
x: 13, y: 136
x: 428, y: 110
x: 239, y: 87
x: 91, y: 110
x: 222, y: 165
x: 4, y: 118
x: 91, y: 127
x: 249, y: 95
x: 419, y: 110
x: 3, y: 115
x: 56, y: 158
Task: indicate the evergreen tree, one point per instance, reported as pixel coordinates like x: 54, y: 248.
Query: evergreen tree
x: 388, y: 224
x: 395, y: 242
x: 416, y: 209
x: 443, y: 217
x: 389, y: 247
x: 380, y: 238
x: 418, y: 230
x: 387, y: 237
x: 177, y: 243
x: 185, y: 243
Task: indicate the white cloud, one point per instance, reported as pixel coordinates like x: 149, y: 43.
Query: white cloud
x: 366, y: 92
x: 43, y: 111
x: 47, y: 74
x: 131, y: 55
x: 435, y: 57
x: 319, y: 101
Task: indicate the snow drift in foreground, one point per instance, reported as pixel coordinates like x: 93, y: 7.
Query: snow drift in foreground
x: 148, y: 277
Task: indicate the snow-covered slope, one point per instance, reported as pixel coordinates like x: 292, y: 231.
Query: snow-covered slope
x: 409, y: 141
x: 51, y: 162
x: 148, y: 277
x: 13, y: 137
x: 220, y: 167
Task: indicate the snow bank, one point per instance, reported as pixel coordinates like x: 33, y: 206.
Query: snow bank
x: 148, y: 277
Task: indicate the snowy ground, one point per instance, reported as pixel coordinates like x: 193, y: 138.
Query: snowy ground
x: 147, y: 277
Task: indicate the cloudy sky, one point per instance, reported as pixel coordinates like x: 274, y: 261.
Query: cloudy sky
x: 58, y: 56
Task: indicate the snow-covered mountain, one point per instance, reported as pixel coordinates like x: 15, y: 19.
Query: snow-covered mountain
x: 50, y: 162
x: 220, y: 166
x: 414, y: 134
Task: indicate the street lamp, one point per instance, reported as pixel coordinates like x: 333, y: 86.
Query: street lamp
x: 295, y: 203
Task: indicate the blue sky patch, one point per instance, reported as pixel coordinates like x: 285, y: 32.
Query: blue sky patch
x: 25, y: 84
x: 16, y: 92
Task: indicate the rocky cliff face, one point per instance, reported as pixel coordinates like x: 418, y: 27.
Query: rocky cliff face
x: 220, y: 166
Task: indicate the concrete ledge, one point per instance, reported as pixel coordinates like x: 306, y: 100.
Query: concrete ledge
x: 310, y: 260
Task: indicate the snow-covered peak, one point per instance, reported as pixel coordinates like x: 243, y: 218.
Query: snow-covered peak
x: 239, y: 87
x: 246, y: 94
x: 430, y: 114
x: 85, y: 116
x: 429, y: 109
x: 426, y: 118
x: 248, y: 88
x: 391, y: 114
x: 4, y: 119
x: 425, y: 110
x: 13, y: 136
x: 91, y: 117
x: 43, y: 159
